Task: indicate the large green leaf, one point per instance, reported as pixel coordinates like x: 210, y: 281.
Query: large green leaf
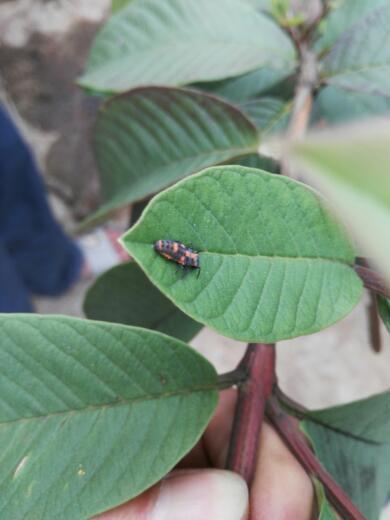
x: 125, y: 295
x: 92, y: 413
x: 274, y: 264
x: 335, y: 105
x: 384, y: 310
x: 360, y: 60
x: 352, y: 166
x: 344, y: 15
x: 360, y: 467
x: 271, y: 115
x: 151, y: 137
x: 177, y: 42
x: 367, y: 419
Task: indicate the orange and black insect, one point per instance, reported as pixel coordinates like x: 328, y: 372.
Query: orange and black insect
x: 178, y: 253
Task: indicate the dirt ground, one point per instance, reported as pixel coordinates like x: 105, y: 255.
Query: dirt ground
x: 43, y: 48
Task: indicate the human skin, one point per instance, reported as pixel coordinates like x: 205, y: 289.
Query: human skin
x: 200, y: 489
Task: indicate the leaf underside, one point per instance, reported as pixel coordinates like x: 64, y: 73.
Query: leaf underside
x: 151, y: 137
x: 270, y: 115
x: 367, y: 419
x: 360, y: 59
x: 91, y: 414
x: 242, y: 88
x: 151, y: 42
x: 359, y: 467
x: 124, y: 295
x: 353, y: 443
x: 274, y: 264
x: 334, y: 105
x: 343, y: 17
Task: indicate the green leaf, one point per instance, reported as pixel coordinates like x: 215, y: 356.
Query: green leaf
x: 325, y: 511
x: 361, y: 468
x: 125, y: 295
x: 151, y: 137
x: 92, y: 413
x: 334, y: 105
x: 366, y: 419
x: 384, y: 310
x: 117, y: 5
x: 360, y: 60
x: 270, y: 115
x: 153, y: 42
x: 284, y: 90
x: 345, y: 15
x: 274, y: 264
x: 247, y: 85
x: 351, y: 166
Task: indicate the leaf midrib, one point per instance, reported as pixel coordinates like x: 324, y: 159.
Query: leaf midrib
x: 339, y: 430
x: 270, y: 257
x: 116, y: 404
x: 167, y: 49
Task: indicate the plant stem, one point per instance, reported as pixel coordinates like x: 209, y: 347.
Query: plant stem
x: 235, y: 377
x: 372, y: 280
x: 288, y: 404
x: 295, y: 440
x: 374, y: 324
x: 303, y: 99
x: 259, y: 365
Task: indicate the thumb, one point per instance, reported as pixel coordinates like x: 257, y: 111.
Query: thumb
x: 190, y: 494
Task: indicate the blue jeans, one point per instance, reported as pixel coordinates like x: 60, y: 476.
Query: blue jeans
x: 36, y: 256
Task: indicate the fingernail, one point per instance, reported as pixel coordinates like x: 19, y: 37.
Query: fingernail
x: 201, y: 495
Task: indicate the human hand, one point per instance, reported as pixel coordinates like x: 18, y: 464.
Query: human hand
x: 199, y: 490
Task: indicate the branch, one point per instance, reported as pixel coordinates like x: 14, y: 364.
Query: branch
x: 236, y: 377
x: 374, y: 324
x: 303, y: 99
x: 372, y: 280
x: 259, y: 364
x: 289, y: 405
x: 296, y: 442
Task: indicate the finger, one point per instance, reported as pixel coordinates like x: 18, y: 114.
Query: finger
x: 212, y: 449
x: 281, y: 489
x: 189, y: 494
x: 217, y: 435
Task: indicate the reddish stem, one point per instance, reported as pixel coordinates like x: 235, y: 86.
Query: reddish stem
x: 259, y: 364
x: 374, y: 324
x: 372, y: 280
x: 295, y: 440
